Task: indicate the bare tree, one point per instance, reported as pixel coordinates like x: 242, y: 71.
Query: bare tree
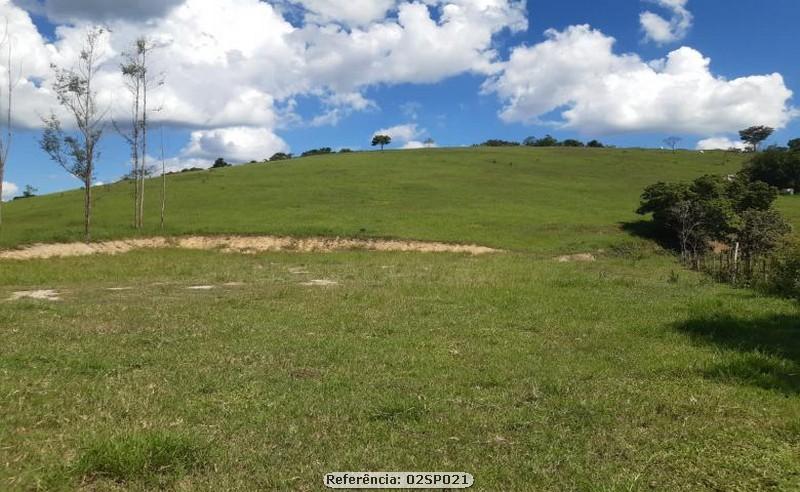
x: 688, y: 221
x: 163, y: 180
x: 138, y: 82
x: 5, y: 136
x: 672, y: 142
x: 77, y: 154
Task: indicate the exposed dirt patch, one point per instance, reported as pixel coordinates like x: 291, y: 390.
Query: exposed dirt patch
x: 40, y: 295
x: 239, y: 244
x: 582, y: 257
x: 320, y: 283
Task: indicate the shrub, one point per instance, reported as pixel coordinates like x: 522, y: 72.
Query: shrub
x: 776, y: 167
x: 280, y: 156
x: 219, y: 163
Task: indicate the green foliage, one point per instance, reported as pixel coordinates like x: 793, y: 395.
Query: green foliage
x: 713, y: 208
x: 381, y: 140
x: 500, y: 143
x: 571, y: 142
x: 794, y: 144
x: 280, y: 156
x: 755, y: 135
x: 776, y: 167
x: 220, y: 163
x: 595, y: 144
x: 320, y: 151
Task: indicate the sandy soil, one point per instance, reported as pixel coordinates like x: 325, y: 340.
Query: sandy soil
x: 237, y: 244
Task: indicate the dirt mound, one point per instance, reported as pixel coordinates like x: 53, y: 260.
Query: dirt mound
x: 40, y: 295
x: 238, y: 244
x: 582, y: 257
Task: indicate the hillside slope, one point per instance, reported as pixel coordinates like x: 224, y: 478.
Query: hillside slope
x: 531, y: 199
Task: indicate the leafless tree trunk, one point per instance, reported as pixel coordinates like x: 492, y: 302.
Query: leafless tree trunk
x: 5, y: 138
x: 74, y: 90
x: 163, y: 181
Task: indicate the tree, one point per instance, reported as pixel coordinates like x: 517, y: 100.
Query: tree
x: 775, y: 167
x: 595, y: 144
x: 29, y: 191
x: 529, y: 142
x: 794, y: 144
x: 755, y: 135
x: 571, y: 142
x: 672, y: 142
x: 546, y: 141
x: 138, y: 82
x: 77, y: 154
x: 429, y: 143
x: 219, y: 163
x: 280, y: 156
x: 381, y: 140
x: 5, y: 136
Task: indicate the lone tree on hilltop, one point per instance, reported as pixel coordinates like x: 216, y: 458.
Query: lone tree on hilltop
x: 672, y: 142
x: 381, y: 140
x: 219, y: 163
x: 75, y: 92
x: 755, y: 135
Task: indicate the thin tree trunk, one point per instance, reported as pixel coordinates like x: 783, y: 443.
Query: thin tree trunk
x: 144, y: 135
x: 87, y: 208
x: 163, y: 181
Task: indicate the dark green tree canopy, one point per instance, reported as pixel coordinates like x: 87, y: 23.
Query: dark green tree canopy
x: 794, y: 144
x: 755, y: 135
x: 381, y: 140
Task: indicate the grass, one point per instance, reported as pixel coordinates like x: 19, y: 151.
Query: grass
x: 623, y: 374
x: 527, y: 199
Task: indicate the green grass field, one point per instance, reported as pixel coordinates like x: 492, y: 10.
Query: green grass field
x: 627, y: 373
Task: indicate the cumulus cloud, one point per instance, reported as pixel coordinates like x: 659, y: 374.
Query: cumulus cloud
x: 576, y: 75
x: 349, y: 12
x: 98, y: 10
x: 223, y: 77
x: 721, y: 143
x: 661, y: 30
x: 237, y: 144
x: 400, y: 133
x: 10, y: 190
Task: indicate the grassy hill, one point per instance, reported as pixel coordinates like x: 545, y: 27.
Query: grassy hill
x: 197, y: 370
x: 540, y: 200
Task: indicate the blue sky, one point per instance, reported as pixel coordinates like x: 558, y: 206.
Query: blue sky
x: 462, y: 103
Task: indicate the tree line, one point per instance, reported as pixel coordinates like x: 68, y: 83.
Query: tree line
x: 728, y: 226
x: 546, y: 141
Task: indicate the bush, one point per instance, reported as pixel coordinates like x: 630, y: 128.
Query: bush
x: 775, y: 167
x: 280, y: 156
x: 219, y: 163
x: 320, y: 151
x: 786, y: 279
x: 499, y: 143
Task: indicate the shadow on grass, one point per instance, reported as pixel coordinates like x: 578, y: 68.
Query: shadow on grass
x: 647, y: 229
x: 763, y: 352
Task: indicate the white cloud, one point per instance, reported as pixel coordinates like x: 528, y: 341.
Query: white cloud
x: 720, y: 143
x: 349, y: 12
x: 576, y: 74
x: 10, y: 190
x: 235, y: 144
x: 661, y: 30
x: 416, y: 144
x: 241, y: 63
x: 400, y: 133
x: 72, y: 10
